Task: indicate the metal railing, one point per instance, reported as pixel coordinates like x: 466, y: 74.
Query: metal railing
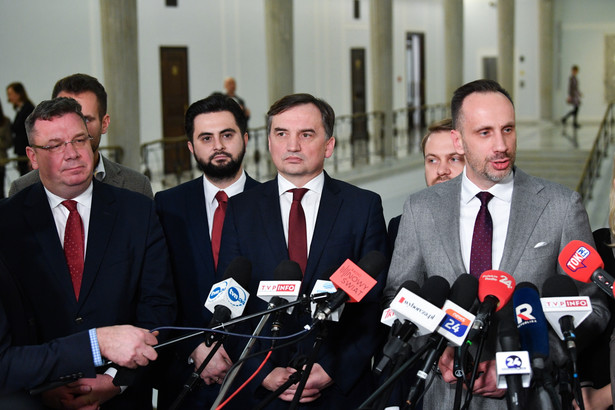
x: 410, y: 124
x: 600, y: 149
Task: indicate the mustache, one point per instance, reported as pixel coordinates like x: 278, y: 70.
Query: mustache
x: 226, y: 154
x: 503, y: 155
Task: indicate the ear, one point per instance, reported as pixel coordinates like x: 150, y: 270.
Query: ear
x: 190, y: 147
x: 457, y: 142
x: 329, y: 146
x: 32, y: 157
x: 245, y: 139
x: 105, y: 123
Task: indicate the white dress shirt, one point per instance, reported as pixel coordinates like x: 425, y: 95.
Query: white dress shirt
x: 210, y: 191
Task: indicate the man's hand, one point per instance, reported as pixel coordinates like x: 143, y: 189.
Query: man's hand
x: 127, y: 345
x: 446, y: 363
x: 317, y: 381
x: 595, y: 399
x: 486, y: 382
x: 216, y: 369
x: 102, y: 389
x: 55, y: 398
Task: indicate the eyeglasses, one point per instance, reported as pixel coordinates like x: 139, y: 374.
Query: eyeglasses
x: 78, y: 143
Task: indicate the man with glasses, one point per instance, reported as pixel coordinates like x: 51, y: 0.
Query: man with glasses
x: 92, y: 97
x: 88, y: 254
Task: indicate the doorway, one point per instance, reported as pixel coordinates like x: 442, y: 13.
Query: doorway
x: 415, y: 79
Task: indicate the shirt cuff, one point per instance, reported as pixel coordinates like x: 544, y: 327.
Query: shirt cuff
x: 112, y: 371
x: 95, y: 348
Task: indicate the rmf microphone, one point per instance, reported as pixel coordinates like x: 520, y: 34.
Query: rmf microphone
x: 495, y: 289
x: 583, y: 263
x: 227, y: 299
x: 353, y: 282
x: 534, y: 337
x: 283, y: 289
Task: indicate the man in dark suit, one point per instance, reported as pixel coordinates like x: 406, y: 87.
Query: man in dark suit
x: 102, y: 263
x: 341, y: 222
x: 532, y: 220
x: 92, y: 97
x: 217, y: 131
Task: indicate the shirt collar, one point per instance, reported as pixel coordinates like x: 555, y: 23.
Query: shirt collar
x: 85, y: 198
x: 235, y: 188
x: 502, y: 190
x: 99, y: 171
x: 316, y: 184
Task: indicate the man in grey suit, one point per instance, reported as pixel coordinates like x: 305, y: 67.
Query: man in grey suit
x: 92, y: 97
x: 533, y: 220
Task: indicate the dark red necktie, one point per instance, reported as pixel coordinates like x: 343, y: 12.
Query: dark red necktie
x: 73, y: 244
x: 216, y: 229
x: 297, y: 234
x: 480, y: 257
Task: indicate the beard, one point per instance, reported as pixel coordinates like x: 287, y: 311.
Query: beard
x: 224, y: 171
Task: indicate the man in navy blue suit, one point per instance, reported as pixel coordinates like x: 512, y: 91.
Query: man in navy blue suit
x: 124, y: 277
x: 341, y: 222
x: 217, y: 131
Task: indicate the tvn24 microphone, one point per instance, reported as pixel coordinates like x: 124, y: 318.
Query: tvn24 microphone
x: 353, y: 282
x: 583, y: 263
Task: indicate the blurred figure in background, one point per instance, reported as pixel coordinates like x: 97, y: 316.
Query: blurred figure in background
x: 16, y: 94
x: 6, y: 141
x: 574, y: 97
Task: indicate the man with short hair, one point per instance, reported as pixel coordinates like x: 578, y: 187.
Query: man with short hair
x: 442, y: 162
x: 92, y: 97
x: 89, y: 254
x: 532, y: 220
x: 340, y: 222
x: 217, y: 138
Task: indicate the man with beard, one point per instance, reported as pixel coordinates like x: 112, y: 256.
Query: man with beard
x: 192, y: 215
x: 531, y: 221
x: 442, y: 162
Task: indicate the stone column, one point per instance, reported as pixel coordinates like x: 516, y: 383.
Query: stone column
x: 453, y: 45
x: 381, y: 50
x: 121, y: 68
x: 545, y: 46
x: 280, y: 57
x: 506, y: 45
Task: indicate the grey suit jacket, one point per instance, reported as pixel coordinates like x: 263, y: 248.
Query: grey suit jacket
x: 115, y: 174
x: 544, y: 217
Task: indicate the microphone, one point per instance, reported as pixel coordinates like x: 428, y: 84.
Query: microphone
x: 282, y: 290
x: 389, y: 318
x: 583, y: 263
x: 325, y: 286
x: 534, y: 337
x: 495, y: 289
x: 513, y: 368
x: 227, y: 299
x: 353, y: 282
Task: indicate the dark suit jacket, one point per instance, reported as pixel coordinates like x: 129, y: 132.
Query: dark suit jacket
x: 126, y: 277
x: 183, y: 216
x: 392, y: 230
x: 19, y: 128
x: 350, y: 223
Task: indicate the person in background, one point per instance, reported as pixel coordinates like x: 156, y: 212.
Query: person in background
x: 16, y: 94
x: 574, y: 97
x: 230, y: 85
x: 6, y: 141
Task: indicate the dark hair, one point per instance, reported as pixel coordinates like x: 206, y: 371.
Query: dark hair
x: 438, y: 126
x: 20, y: 90
x: 48, y: 109
x: 216, y: 102
x: 80, y: 83
x: 3, y: 119
x: 293, y: 100
x: 478, y: 86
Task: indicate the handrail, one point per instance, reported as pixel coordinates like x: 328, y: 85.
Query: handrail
x: 599, y: 150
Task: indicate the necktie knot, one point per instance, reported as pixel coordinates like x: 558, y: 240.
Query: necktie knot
x: 484, y: 197
x: 298, y: 193
x: 221, y: 197
x: 70, y: 204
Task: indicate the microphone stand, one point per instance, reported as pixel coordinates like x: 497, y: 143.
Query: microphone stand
x: 309, y: 363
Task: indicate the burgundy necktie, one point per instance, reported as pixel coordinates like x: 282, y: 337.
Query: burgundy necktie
x: 297, y: 234
x: 73, y: 244
x: 216, y: 229
x: 480, y: 257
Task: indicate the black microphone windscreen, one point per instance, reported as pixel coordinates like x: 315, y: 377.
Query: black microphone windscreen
x: 372, y: 263
x: 507, y: 328
x: 558, y: 286
x: 288, y: 270
x: 435, y: 290
x: 239, y: 269
x: 464, y: 291
x: 410, y: 285
x: 526, y: 285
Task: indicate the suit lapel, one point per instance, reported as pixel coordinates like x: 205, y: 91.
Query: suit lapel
x: 44, y: 229
x: 102, y: 220
x: 272, y: 221
x: 198, y: 228
x: 112, y: 173
x: 445, y: 213
x: 525, y: 209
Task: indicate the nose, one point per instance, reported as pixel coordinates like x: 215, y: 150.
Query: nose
x: 292, y: 143
x: 443, y: 168
x: 499, y: 144
x: 70, y: 151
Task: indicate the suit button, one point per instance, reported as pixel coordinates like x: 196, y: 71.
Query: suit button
x: 79, y: 320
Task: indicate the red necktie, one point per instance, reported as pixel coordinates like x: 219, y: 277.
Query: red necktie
x: 216, y: 229
x: 73, y: 244
x: 480, y: 257
x: 297, y: 234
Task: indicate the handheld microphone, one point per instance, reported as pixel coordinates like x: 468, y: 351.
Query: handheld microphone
x: 353, y: 282
x: 583, y: 263
x: 325, y: 286
x: 563, y: 308
x: 284, y: 287
x: 495, y: 289
x: 227, y: 299
x: 513, y: 368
